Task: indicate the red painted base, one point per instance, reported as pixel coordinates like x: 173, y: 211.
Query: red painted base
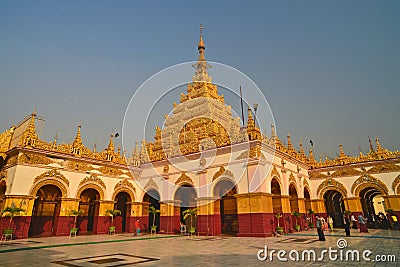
x: 209, y: 224
x: 170, y: 224
x: 256, y: 224
x: 20, y: 224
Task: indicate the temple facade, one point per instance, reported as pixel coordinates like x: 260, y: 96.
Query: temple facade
x: 237, y: 178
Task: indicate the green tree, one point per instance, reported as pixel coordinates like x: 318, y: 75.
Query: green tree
x: 190, y: 213
x: 278, y: 216
x: 112, y: 214
x: 154, y: 211
x: 75, y: 213
x: 296, y: 214
x: 11, y: 212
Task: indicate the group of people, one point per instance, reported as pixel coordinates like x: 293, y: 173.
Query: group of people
x: 348, y: 221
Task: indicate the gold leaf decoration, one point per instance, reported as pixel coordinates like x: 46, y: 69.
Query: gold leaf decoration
x: 331, y: 184
x: 218, y: 173
x: 365, y: 181
x: 184, y: 179
x: 395, y: 183
x: 346, y: 172
x: 110, y: 171
x: 124, y: 184
x: 51, y: 174
x: 93, y: 178
x: 150, y: 184
x: 384, y: 168
x: 78, y: 166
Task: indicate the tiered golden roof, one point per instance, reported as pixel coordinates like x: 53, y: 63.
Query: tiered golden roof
x: 30, y: 139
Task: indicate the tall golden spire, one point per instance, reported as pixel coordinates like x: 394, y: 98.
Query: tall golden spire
x: 201, y: 47
x: 78, y: 138
x: 312, y: 159
x: 201, y: 65
x: 111, y: 144
x: 30, y: 135
x: 342, y: 154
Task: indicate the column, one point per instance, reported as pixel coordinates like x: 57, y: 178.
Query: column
x: 303, y: 211
x: 255, y: 214
x: 286, y: 219
x: 139, y: 211
x: 209, y: 217
x: 393, y: 203
x: 170, y: 216
x: 64, y: 222
x: 102, y: 221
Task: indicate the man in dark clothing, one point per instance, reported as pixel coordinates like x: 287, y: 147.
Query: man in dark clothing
x: 346, y: 221
x: 320, y: 223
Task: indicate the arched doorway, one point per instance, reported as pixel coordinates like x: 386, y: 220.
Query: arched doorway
x: 307, y: 199
x: 187, y: 197
x: 276, y: 196
x: 121, y: 203
x: 153, y: 198
x: 45, y: 211
x: 374, y: 207
x: 225, y: 190
x: 335, y: 207
x: 89, y: 203
x: 293, y: 198
x: 3, y: 188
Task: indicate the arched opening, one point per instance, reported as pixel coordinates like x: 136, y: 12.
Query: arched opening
x: 293, y: 198
x: 89, y: 203
x: 45, y: 211
x: 187, y: 197
x: 276, y: 196
x: 374, y: 207
x: 122, y: 203
x: 334, y: 205
x: 226, y: 190
x: 3, y: 188
x: 307, y: 199
x: 153, y: 198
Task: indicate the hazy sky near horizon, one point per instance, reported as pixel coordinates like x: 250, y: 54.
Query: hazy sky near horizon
x: 329, y: 69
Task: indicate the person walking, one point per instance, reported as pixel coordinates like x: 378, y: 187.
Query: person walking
x: 354, y: 221
x: 363, y: 224
x: 137, y: 227
x: 346, y: 222
x: 320, y: 222
x: 330, y: 223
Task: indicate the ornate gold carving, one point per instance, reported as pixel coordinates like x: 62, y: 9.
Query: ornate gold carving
x: 93, y: 178
x: 11, y: 161
x: 305, y: 183
x: 125, y: 183
x: 184, y: 179
x: 346, y: 172
x: 51, y: 174
x: 5, y: 141
x: 218, y: 173
x: 396, y: 183
x: 366, y: 181
x: 331, y: 184
x: 275, y: 172
x: 33, y: 159
x: 78, y: 166
x: 384, y: 168
x: 318, y: 175
x: 48, y: 181
x: 110, y: 171
x: 166, y: 169
x: 150, y: 184
x: 292, y: 179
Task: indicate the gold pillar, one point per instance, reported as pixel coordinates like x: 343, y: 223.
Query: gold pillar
x: 353, y: 204
x: 392, y: 202
x: 254, y: 203
x: 139, y: 209
x: 68, y: 204
x: 285, y: 200
x: 302, y: 205
x: 207, y: 205
x: 318, y: 205
x: 104, y: 206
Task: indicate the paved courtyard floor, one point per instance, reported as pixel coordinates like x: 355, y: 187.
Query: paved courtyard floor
x: 164, y: 250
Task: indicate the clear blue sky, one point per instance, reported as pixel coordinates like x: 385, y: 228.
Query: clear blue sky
x: 329, y: 69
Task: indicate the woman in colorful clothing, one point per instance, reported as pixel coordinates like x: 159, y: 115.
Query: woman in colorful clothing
x: 363, y: 224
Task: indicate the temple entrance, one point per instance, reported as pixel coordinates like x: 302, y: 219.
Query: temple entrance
x: 293, y: 198
x: 90, y: 205
x: 276, y: 202
x: 45, y: 211
x: 307, y: 199
x: 374, y: 207
x: 335, y: 207
x: 226, y: 191
x: 121, y: 200
x: 187, y: 195
x: 153, y: 197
